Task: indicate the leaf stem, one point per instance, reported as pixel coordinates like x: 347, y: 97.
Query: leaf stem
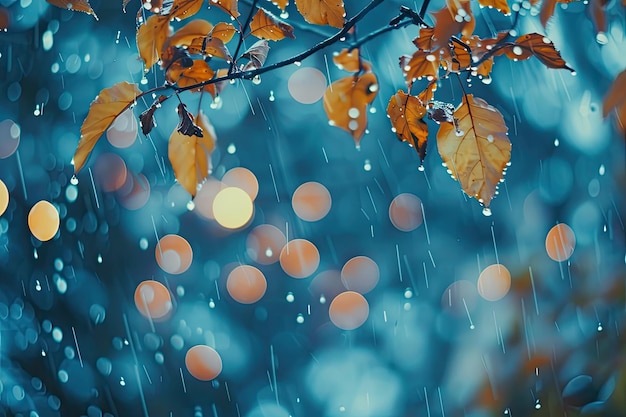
x: 242, y: 35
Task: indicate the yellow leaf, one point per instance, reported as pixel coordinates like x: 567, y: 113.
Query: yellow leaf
x: 265, y: 25
x: 229, y: 6
x: 346, y: 100
x: 76, y: 5
x: 208, y: 46
x: 322, y: 12
x: 406, y: 113
x: 476, y: 150
x: 192, y: 30
x: 500, y: 5
x: 615, y: 101
x: 109, y: 104
x: 190, y: 155
x: 421, y: 64
x: 197, y: 73
x: 351, y: 61
x: 223, y: 31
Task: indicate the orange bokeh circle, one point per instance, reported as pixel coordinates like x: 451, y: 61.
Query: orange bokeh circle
x: 360, y: 274
x: 203, y: 362
x: 405, y: 212
x: 494, y: 282
x: 43, y: 220
x: 4, y: 197
x: 153, y: 300
x: 110, y: 172
x: 246, y: 284
x: 560, y: 242
x: 299, y: 258
x: 349, y: 310
x: 173, y: 254
x: 242, y: 178
x: 264, y: 243
x: 311, y: 201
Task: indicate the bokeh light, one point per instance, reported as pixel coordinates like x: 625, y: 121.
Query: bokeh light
x: 264, y: 244
x: 494, y: 282
x: 135, y: 193
x: 173, y: 254
x: 4, y: 197
x: 560, y: 242
x: 203, y: 203
x: 123, y: 130
x: 110, y: 172
x: 349, y: 310
x: 153, y: 300
x: 246, y: 284
x: 242, y: 178
x: 232, y: 207
x: 311, y: 201
x: 405, y: 212
x: 307, y: 85
x: 299, y: 258
x: 360, y: 274
x: 43, y: 220
x: 203, y: 362
x: 9, y: 138
x: 459, y: 297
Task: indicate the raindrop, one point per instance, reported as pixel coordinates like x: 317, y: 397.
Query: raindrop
x: 300, y: 318
x: 322, y: 299
x: 602, y: 170
x: 537, y: 404
x: 487, y: 80
x: 122, y: 381
x: 601, y: 38
x: 367, y: 166
x: 99, y: 259
x: 290, y: 297
x: 272, y: 98
x: 490, y: 138
x: 143, y: 243
x: 256, y: 80
x: 556, y: 142
x: 353, y: 112
x: 486, y: 212
x: 600, y: 327
x: 420, y: 168
x: 63, y: 376
x: 191, y: 205
x: 231, y: 149
x: 284, y: 15
x: 460, y: 132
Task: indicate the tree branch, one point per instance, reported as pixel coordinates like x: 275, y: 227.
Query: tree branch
x: 241, y: 35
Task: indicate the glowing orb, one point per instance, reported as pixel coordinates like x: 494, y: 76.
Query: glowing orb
x: 110, y: 172
x: 299, y: 258
x: 232, y: 207
x: 242, y: 178
x: 405, y: 212
x: 123, y: 130
x: 264, y: 244
x: 560, y: 242
x: 10, y: 133
x: 307, y: 85
x: 246, y: 284
x: 311, y: 201
x: 459, y: 296
x: 138, y: 195
x: 203, y: 362
x: 360, y: 274
x: 153, y: 300
x: 4, y: 197
x: 203, y: 203
x: 349, y: 310
x: 494, y: 282
x: 173, y: 254
x: 43, y: 220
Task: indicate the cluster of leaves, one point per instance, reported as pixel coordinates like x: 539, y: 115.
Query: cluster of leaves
x: 472, y: 136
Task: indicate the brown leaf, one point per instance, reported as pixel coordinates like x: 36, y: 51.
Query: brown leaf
x: 476, y: 150
x: 75, y: 5
x: 200, y: 71
x: 534, y: 44
x: 322, y: 12
x: 346, y: 100
x: 456, y: 58
x: 461, y: 12
x: 615, y: 101
x: 500, y: 5
x: 190, y: 155
x: 186, y: 126
x: 186, y: 34
x: 406, y: 114
x: 281, y: 4
x: 175, y: 60
x: 425, y: 39
x: 351, y: 61
x: 146, y: 119
x: 265, y: 25
x: 421, y: 64
x: 210, y: 47
x: 223, y: 31
x: 229, y: 6
x: 257, y: 54
x: 446, y: 26
x: 109, y: 104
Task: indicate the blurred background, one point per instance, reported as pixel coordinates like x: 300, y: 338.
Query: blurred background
x: 395, y: 297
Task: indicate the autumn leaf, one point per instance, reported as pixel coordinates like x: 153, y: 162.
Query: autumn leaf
x: 456, y: 58
x: 406, y: 114
x: 346, y: 100
x: 109, y: 104
x: 421, y: 64
x: 446, y: 26
x: 190, y: 155
x: 175, y: 60
x: 615, y: 101
x: 229, y: 6
x: 476, y: 149
x: 257, y: 54
x: 186, y: 125
x: 351, y: 61
x: 211, y: 47
x: 223, y: 31
x: 75, y: 5
x: 186, y: 34
x: 265, y: 25
x: 461, y: 12
x: 322, y: 12
x: 425, y: 39
x: 534, y: 44
x: 199, y: 72
x: 500, y: 5
x: 146, y: 118
x: 281, y: 4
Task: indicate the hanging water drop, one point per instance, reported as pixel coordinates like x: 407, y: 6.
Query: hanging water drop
x: 486, y: 211
x: 300, y: 318
x: 272, y: 98
x: 74, y: 180
x: 99, y: 258
x: 256, y: 80
x: 367, y: 166
x: 420, y: 168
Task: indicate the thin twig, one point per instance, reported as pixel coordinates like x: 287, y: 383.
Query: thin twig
x: 298, y: 25
x: 241, y: 34
x: 379, y: 32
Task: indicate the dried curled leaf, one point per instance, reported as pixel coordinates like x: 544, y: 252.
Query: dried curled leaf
x: 421, y: 64
x: 346, y: 100
x: 229, y: 6
x: 351, y: 61
x: 615, y: 101
x: 257, y: 54
x: 476, y: 149
x: 75, y: 5
x: 265, y: 25
x: 109, y: 104
x: 322, y: 12
x: 186, y: 126
x: 190, y: 155
x: 534, y: 44
x: 406, y: 114
x: 500, y: 5
x: 146, y: 119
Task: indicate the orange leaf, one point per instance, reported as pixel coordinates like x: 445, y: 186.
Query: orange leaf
x: 346, y: 100
x: 538, y: 45
x: 461, y: 12
x: 446, y: 26
x: 229, y: 6
x: 197, y: 73
x: 322, y: 12
x: 456, y: 58
x: 223, y: 31
x: 351, y: 61
x: 109, y: 104
x: 425, y: 39
x: 194, y: 29
x: 500, y: 5
x: 209, y: 46
x: 615, y: 101
x: 476, y: 150
x: 406, y: 113
x: 281, y: 4
x: 265, y: 25
x: 190, y: 155
x: 421, y: 64
x: 76, y: 5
